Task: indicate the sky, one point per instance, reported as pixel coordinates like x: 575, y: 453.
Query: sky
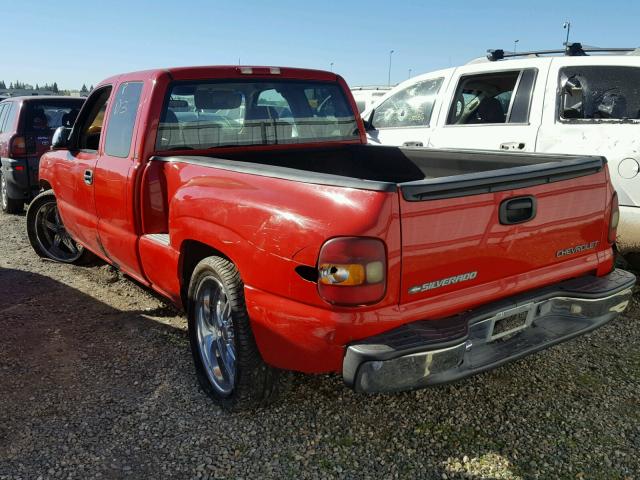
x: 74, y: 42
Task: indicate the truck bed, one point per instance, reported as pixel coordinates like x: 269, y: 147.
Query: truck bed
x: 420, y: 173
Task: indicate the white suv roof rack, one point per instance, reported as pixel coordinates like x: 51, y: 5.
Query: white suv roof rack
x: 571, y: 49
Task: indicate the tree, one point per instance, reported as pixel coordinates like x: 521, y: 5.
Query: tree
x: 84, y: 89
x: 91, y: 88
x: 54, y: 88
x: 11, y: 85
x: 2, y: 84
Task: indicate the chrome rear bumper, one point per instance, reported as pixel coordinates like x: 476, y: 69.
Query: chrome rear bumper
x: 419, y: 354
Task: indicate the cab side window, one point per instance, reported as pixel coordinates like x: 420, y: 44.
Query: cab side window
x: 492, y: 98
x: 122, y: 119
x: 590, y: 94
x: 91, y: 119
x: 410, y: 107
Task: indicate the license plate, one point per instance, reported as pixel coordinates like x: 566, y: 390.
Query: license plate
x: 510, y: 322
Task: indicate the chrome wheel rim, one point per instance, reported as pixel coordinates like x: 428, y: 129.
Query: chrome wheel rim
x: 216, y: 336
x: 53, y: 237
x: 3, y: 192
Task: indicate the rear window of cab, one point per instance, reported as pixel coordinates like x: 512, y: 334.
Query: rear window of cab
x: 209, y: 114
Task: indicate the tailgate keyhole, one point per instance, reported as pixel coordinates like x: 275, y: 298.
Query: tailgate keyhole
x: 517, y: 210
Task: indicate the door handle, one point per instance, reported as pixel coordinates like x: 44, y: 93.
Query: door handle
x: 413, y: 144
x: 518, y: 210
x: 88, y: 177
x: 512, y: 146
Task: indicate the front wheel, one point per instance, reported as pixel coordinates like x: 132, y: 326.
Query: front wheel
x: 47, y: 234
x: 9, y: 205
x: 228, y: 364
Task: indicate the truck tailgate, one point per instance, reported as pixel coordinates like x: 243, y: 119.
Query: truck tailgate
x: 454, y: 236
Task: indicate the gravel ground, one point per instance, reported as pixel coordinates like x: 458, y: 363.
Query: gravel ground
x: 96, y: 381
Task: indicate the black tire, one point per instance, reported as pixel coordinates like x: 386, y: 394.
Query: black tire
x: 254, y: 383
x: 40, y: 239
x: 9, y: 205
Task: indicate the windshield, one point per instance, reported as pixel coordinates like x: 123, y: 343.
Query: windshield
x: 211, y: 114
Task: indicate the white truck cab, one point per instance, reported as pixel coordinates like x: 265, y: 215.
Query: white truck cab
x: 569, y: 101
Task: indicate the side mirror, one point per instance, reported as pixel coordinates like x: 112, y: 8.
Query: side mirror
x: 368, y: 122
x: 60, y: 138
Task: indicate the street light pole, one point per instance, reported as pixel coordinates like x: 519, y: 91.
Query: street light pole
x: 515, y: 45
x: 331, y: 66
x: 409, y: 73
x: 389, y: 77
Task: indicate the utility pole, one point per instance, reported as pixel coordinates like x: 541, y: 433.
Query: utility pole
x: 331, y: 66
x: 409, y: 73
x: 389, y: 77
x: 515, y: 45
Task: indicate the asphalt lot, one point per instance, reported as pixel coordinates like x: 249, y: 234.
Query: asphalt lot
x: 96, y: 381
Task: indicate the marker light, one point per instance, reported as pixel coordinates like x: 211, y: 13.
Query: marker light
x: 352, y: 271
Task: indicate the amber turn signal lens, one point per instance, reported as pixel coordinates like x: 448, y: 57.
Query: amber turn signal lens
x: 336, y: 274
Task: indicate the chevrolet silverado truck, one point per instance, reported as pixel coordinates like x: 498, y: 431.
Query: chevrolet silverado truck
x: 248, y: 196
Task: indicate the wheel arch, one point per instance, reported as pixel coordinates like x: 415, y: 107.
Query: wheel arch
x: 191, y: 253
x: 44, y: 185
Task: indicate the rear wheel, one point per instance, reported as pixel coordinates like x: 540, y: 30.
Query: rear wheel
x: 47, y: 234
x: 228, y: 364
x: 9, y: 205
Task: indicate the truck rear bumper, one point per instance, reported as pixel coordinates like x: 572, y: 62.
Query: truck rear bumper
x: 431, y: 352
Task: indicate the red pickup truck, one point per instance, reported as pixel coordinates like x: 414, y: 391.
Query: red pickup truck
x: 247, y: 195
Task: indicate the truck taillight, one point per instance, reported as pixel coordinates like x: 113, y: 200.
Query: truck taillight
x: 352, y: 271
x: 17, y: 147
x: 614, y: 218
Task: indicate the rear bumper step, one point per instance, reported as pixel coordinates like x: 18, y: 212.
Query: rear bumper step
x: 439, y: 351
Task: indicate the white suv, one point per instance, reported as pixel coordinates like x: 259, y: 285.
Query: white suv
x: 569, y: 103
